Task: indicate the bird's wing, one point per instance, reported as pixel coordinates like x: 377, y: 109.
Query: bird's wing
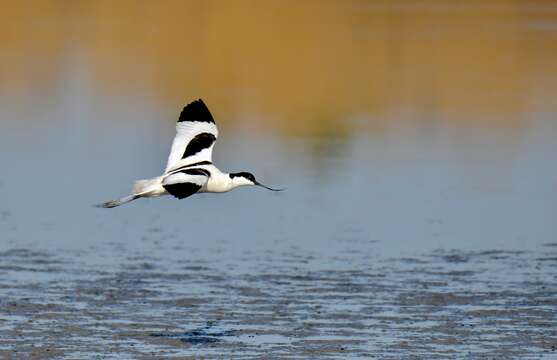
x: 196, y: 133
x: 185, y: 183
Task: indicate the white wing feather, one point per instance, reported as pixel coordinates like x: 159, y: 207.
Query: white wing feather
x: 195, y: 123
x: 179, y: 178
x: 185, y: 132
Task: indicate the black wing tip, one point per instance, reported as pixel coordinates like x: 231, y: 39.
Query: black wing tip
x: 196, y: 111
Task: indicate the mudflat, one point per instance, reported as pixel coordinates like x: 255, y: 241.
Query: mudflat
x: 445, y: 304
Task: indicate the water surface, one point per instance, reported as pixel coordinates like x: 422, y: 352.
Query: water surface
x: 416, y: 141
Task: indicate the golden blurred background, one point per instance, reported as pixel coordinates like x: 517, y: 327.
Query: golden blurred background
x: 300, y: 67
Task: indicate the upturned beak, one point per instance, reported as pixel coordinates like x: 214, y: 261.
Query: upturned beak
x: 266, y: 187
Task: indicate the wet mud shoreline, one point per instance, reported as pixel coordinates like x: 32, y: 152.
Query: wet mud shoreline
x: 490, y: 304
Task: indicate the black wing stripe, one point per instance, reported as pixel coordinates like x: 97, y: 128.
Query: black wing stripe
x: 198, y: 143
x: 196, y: 111
x: 178, y: 169
x: 182, y: 190
x: 201, y: 172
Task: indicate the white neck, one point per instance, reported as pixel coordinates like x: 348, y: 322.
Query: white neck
x: 221, y: 182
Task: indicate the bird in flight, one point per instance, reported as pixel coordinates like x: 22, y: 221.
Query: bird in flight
x: 190, y: 169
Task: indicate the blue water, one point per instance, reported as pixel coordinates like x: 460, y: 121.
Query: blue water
x: 420, y: 212
x: 399, y: 193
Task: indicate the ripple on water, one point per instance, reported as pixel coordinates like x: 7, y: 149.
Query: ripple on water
x: 436, y: 305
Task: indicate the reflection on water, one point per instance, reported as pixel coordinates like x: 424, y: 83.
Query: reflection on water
x: 401, y: 130
x: 309, y: 68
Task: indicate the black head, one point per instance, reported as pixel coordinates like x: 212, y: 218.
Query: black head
x: 245, y: 175
x: 251, y: 178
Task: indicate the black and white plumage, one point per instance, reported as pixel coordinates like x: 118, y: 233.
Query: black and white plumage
x: 189, y: 168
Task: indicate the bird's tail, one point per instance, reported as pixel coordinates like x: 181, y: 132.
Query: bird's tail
x: 121, y: 201
x: 143, y: 186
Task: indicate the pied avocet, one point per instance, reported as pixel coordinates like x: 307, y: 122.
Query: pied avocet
x: 189, y: 169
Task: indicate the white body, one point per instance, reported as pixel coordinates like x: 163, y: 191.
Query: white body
x: 218, y: 182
